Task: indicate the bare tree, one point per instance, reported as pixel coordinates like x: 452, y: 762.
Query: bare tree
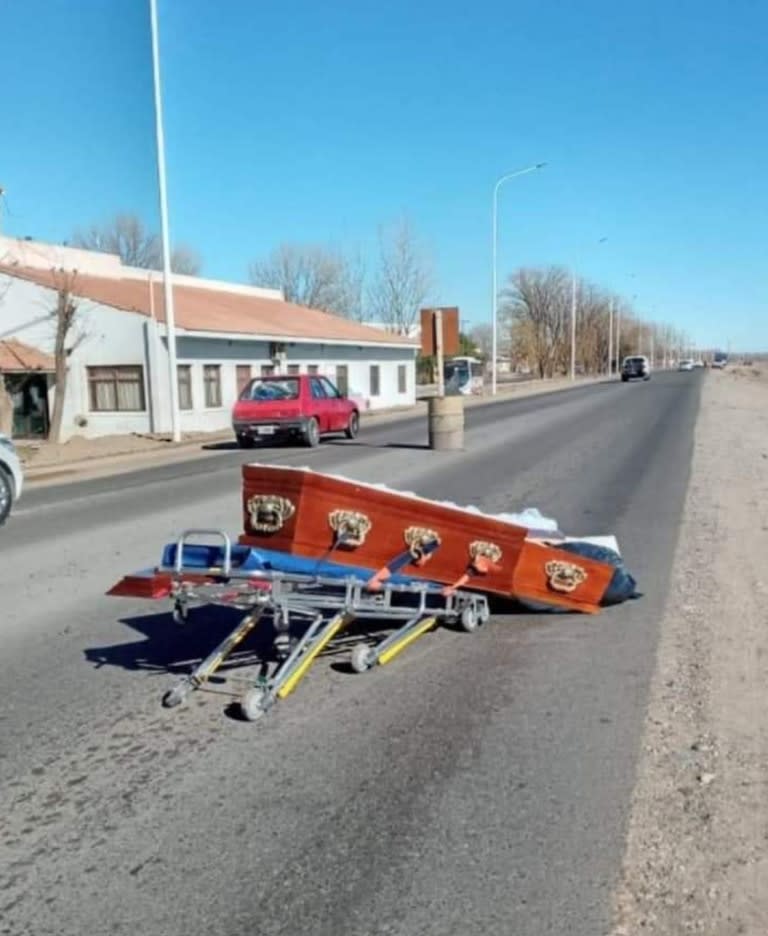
x: 482, y: 336
x: 66, y: 341
x: 313, y: 276
x: 403, y: 280
x: 535, y: 306
x: 185, y: 259
x: 352, y: 292
x: 125, y: 235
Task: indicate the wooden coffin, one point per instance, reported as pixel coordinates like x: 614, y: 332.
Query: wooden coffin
x: 307, y: 513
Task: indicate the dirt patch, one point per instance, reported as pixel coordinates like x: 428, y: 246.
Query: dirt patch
x: 697, y: 852
x: 78, y: 448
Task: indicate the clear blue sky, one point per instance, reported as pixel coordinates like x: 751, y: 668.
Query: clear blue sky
x: 317, y: 122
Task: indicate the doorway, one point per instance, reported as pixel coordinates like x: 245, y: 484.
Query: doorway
x: 29, y: 393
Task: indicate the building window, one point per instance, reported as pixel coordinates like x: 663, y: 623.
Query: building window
x: 294, y: 369
x: 243, y: 374
x: 185, y: 386
x: 375, y: 380
x: 267, y: 370
x: 402, y: 378
x: 212, y: 380
x: 342, y: 379
x: 116, y: 389
x: 313, y: 368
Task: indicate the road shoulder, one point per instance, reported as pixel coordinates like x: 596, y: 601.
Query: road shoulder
x: 697, y: 856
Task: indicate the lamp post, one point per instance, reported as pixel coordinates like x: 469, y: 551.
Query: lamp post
x: 170, y: 319
x: 573, y: 317
x: 610, y: 339
x: 497, y: 186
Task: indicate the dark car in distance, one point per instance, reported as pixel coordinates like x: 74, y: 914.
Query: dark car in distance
x: 305, y: 406
x: 635, y: 367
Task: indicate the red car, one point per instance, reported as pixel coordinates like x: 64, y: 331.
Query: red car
x: 305, y: 405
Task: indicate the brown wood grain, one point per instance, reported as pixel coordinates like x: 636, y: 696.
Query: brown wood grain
x: 520, y: 571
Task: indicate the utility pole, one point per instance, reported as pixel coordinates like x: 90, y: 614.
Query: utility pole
x: 170, y: 319
x: 573, y: 326
x: 494, y: 287
x: 610, y: 339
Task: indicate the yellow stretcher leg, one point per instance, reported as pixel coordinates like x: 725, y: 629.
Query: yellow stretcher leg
x: 332, y: 628
x: 392, y: 651
x: 209, y: 666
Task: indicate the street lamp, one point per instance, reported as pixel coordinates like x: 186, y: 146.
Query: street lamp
x: 170, y: 319
x: 499, y: 181
x: 573, y: 317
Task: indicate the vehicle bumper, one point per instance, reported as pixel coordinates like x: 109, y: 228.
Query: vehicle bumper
x: 264, y: 429
x: 12, y: 463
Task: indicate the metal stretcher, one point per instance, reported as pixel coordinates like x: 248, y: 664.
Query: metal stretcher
x: 282, y: 588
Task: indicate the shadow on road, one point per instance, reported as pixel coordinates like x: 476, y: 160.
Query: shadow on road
x: 423, y: 446
x: 170, y: 648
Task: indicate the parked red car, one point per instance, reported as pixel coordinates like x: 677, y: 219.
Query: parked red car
x: 305, y: 405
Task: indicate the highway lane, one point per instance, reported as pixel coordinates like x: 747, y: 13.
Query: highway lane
x: 477, y: 785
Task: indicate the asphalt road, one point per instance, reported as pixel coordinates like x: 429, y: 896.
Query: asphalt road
x: 477, y: 785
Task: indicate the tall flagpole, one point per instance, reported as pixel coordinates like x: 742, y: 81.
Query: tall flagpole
x: 170, y: 319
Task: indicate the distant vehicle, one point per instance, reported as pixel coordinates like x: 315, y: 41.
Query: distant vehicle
x: 463, y: 375
x: 635, y: 367
x: 720, y: 359
x: 303, y: 406
x: 685, y: 365
x: 698, y: 363
x: 11, y: 477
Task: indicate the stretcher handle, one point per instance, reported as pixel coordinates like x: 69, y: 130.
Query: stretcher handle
x: 220, y: 534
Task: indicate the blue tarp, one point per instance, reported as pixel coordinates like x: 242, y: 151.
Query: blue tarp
x: 621, y: 588
x: 251, y: 559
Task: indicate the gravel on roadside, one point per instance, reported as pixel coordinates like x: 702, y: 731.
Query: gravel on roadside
x: 697, y: 850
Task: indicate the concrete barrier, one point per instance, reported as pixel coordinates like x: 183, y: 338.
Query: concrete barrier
x: 446, y: 423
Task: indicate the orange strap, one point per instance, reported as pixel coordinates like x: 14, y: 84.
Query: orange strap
x: 379, y: 578
x: 480, y: 566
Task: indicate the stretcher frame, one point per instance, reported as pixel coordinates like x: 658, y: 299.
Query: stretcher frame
x: 330, y: 604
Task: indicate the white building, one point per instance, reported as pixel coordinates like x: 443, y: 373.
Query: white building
x: 226, y: 333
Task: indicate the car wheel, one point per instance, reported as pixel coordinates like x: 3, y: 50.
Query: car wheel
x: 312, y: 433
x: 6, y: 496
x: 353, y: 426
x: 624, y: 379
x: 245, y: 442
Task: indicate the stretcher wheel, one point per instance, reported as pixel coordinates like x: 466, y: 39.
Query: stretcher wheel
x: 362, y: 658
x: 252, y: 704
x: 470, y: 619
x: 175, y: 696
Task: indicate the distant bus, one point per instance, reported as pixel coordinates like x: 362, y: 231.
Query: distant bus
x: 463, y: 374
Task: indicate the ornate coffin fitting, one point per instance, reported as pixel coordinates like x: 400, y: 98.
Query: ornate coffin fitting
x: 269, y: 512
x: 350, y: 526
x: 417, y: 539
x: 484, y: 555
x: 564, y: 576
x: 496, y: 555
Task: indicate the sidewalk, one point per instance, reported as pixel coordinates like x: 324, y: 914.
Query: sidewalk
x: 81, y: 458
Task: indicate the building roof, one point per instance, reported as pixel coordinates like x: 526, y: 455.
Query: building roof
x: 199, y: 308
x: 17, y: 357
